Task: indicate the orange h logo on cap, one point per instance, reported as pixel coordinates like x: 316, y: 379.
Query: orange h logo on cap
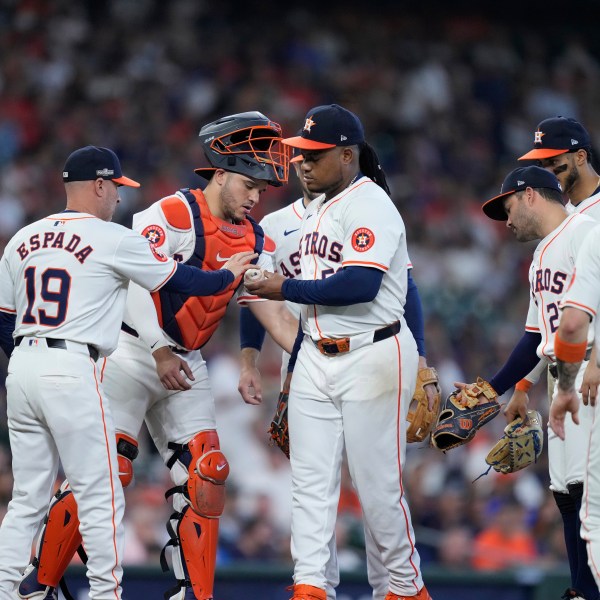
x: 537, y: 137
x: 308, y: 124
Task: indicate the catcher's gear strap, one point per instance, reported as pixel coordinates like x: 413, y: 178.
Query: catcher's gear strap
x: 127, y: 452
x: 59, y: 538
x: 194, y: 555
x: 420, y: 418
x: 207, y: 471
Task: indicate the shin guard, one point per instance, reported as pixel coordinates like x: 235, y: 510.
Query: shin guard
x: 194, y: 525
x: 59, y: 538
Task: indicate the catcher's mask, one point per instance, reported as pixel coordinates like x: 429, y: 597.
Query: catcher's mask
x: 247, y: 143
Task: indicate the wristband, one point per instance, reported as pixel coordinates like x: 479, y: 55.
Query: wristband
x: 523, y: 386
x: 569, y: 352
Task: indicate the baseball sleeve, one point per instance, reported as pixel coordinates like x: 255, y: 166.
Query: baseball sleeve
x: 140, y: 261
x: 583, y: 292
x: 370, y: 241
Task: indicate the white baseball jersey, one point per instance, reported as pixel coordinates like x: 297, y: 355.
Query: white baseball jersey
x: 549, y: 275
x: 584, y: 291
x: 283, y: 227
x: 66, y: 277
x: 590, y: 206
x: 335, y: 402
x: 353, y: 229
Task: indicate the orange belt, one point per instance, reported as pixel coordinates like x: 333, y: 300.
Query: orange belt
x: 333, y: 346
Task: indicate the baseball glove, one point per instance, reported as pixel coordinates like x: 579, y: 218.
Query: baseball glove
x: 520, y: 446
x: 420, y: 418
x: 463, y: 413
x: 278, y: 430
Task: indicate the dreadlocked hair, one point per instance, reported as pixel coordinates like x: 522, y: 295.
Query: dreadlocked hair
x: 369, y: 166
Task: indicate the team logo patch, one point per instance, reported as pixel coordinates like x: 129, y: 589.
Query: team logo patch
x: 155, y: 234
x: 363, y: 239
x: 158, y: 255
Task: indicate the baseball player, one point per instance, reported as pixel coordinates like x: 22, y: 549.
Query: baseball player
x: 357, y: 366
x: 201, y: 228
x: 563, y: 147
x: 283, y: 226
x: 63, y: 285
x: 581, y: 304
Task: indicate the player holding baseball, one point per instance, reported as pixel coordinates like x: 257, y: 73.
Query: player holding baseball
x: 357, y: 366
x: 63, y: 283
x: 201, y: 228
x: 563, y: 147
x: 283, y: 226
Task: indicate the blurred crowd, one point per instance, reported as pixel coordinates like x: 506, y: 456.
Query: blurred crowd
x: 448, y: 102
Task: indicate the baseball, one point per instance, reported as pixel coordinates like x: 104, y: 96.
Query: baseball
x: 252, y: 275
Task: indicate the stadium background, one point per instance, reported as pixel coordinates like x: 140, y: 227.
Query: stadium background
x: 449, y: 94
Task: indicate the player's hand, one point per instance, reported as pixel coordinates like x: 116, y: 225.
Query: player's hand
x: 589, y: 385
x: 239, y: 263
x: 169, y: 367
x: 562, y: 403
x: 268, y: 287
x: 250, y: 385
x: 430, y: 389
x: 517, y: 406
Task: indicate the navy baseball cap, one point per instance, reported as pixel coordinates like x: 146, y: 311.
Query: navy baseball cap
x: 557, y: 135
x: 328, y: 126
x: 517, y: 181
x: 91, y: 162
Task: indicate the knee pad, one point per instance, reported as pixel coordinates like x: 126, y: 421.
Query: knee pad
x: 208, y: 471
x: 127, y: 452
x: 565, y: 503
x: 59, y: 538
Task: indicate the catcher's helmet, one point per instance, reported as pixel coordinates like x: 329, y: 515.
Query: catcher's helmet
x: 246, y: 143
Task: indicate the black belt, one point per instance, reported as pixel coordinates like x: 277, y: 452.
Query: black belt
x: 553, y: 367
x: 62, y: 345
x: 134, y: 333
x: 332, y: 346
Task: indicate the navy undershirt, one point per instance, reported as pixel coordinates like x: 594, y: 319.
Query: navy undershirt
x: 521, y: 362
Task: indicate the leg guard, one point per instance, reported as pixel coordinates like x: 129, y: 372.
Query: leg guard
x: 60, y: 537
x: 194, y: 525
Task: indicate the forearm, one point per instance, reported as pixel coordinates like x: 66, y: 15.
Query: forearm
x: 7, y: 328
x: 252, y: 332
x: 413, y: 314
x: 351, y: 285
x: 522, y: 361
x: 196, y: 282
x: 249, y: 358
x: 570, y: 344
x: 278, y: 321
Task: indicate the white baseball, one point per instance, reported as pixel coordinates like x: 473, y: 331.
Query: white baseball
x: 252, y: 275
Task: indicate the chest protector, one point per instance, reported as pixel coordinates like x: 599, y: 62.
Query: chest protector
x: 190, y: 321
